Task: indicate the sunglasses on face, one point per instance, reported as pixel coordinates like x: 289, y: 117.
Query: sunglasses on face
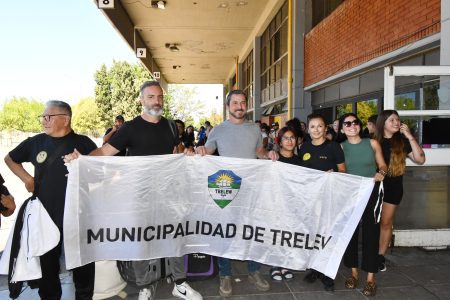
x: 350, y: 123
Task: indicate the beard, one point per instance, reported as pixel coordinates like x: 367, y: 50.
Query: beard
x: 154, y: 111
x: 236, y: 116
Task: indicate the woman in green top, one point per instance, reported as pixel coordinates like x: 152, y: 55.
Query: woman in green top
x: 363, y: 157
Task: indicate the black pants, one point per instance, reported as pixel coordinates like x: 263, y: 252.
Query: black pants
x: 50, y: 285
x: 370, y: 238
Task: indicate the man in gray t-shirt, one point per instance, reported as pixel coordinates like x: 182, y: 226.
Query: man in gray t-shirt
x: 237, y: 138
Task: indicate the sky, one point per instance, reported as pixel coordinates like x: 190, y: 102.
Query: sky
x: 51, y: 49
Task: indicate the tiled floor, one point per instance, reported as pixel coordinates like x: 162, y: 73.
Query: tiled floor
x: 412, y: 273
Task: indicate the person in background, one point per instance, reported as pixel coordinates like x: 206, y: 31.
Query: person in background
x: 296, y: 126
x: 397, y: 143
x: 183, y: 137
x: 325, y: 155
x: 190, y: 136
x: 265, y: 134
x: 110, y: 132
x: 363, y: 157
x: 369, y: 131
x: 201, y: 136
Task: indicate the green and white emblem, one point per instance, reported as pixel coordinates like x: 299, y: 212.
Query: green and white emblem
x: 223, y: 187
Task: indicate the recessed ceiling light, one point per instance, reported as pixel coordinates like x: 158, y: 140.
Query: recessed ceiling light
x: 241, y: 3
x: 223, y: 5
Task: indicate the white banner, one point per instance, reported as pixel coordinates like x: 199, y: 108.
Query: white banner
x: 136, y: 208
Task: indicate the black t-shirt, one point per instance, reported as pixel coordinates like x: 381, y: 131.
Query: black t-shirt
x: 323, y: 157
x: 145, y: 138
x: 294, y: 160
x: 122, y: 152
x: 52, y: 188
x: 387, y: 148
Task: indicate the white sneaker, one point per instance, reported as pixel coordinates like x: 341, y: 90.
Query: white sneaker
x: 145, y: 294
x: 184, y: 291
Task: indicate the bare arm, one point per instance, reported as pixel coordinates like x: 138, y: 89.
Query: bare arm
x: 20, y: 172
x: 108, y: 136
x: 379, y: 159
x: 105, y: 150
x: 342, y: 168
x: 417, y: 155
x: 202, y: 150
x: 262, y: 153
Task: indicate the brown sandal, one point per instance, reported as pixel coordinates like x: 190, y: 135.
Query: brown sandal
x: 351, y: 282
x: 370, y: 289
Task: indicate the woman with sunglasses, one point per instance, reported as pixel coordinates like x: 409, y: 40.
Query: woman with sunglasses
x: 363, y: 157
x: 287, y: 141
x: 397, y: 143
x: 321, y: 154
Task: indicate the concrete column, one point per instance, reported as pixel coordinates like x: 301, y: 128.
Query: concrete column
x: 302, y: 16
x: 257, y: 77
x: 444, y: 90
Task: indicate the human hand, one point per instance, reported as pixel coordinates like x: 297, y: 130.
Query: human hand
x: 71, y: 156
x: 273, y: 155
x: 404, y: 129
x: 201, y: 150
x: 8, y: 202
x: 189, y: 151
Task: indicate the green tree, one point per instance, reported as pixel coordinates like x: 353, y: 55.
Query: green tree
x: 86, y: 118
x: 22, y: 114
x: 117, y: 90
x: 181, y: 103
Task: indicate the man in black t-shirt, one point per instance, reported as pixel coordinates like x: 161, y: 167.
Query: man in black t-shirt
x: 49, y: 186
x: 150, y: 134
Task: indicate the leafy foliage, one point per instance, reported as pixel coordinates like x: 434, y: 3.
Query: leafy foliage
x: 180, y: 103
x: 22, y: 114
x: 117, y: 91
x: 86, y: 118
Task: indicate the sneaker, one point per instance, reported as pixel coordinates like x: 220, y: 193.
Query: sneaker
x: 184, y: 291
x: 226, y: 288
x: 311, y: 276
x: 259, y: 282
x: 328, y: 283
x: 145, y: 294
x: 381, y: 263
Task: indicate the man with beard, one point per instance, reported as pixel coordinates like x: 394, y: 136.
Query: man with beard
x: 150, y: 134
x: 237, y: 138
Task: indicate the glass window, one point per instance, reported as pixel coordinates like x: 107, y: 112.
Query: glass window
x: 436, y: 94
x: 365, y: 109
x: 326, y: 112
x: 406, y: 101
x: 343, y: 109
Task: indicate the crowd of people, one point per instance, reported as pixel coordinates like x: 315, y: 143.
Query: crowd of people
x: 344, y: 147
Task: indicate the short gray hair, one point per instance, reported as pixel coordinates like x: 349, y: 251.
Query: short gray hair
x: 147, y: 84
x: 64, y: 106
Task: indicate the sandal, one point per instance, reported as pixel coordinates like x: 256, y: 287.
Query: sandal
x: 370, y: 289
x: 287, y: 275
x: 351, y: 282
x: 275, y: 274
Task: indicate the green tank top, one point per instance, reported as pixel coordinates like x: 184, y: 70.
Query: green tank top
x: 360, y: 158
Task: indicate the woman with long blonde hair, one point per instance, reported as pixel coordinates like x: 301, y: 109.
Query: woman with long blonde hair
x: 397, y: 143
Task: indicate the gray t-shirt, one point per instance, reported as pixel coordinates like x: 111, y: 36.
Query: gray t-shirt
x: 234, y: 140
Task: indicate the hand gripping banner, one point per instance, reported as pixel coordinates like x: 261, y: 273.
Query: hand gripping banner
x: 136, y: 208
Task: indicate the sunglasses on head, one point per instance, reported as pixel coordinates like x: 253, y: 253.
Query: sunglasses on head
x: 350, y: 123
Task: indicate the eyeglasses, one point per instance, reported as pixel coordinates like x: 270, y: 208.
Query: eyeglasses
x: 288, y: 138
x: 47, y: 118
x: 350, y: 123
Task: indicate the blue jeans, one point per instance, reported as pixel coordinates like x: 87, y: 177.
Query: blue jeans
x: 225, y: 266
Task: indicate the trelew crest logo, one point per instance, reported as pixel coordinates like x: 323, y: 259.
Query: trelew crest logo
x: 223, y: 187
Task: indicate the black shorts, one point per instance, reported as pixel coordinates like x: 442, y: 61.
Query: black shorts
x: 393, y: 190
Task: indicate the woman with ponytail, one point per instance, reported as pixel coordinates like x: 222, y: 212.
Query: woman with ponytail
x: 397, y: 143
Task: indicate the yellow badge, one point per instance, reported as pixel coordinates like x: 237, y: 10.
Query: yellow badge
x: 306, y: 156
x: 41, y: 157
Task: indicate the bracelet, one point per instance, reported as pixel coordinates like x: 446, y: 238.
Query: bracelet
x: 382, y: 172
